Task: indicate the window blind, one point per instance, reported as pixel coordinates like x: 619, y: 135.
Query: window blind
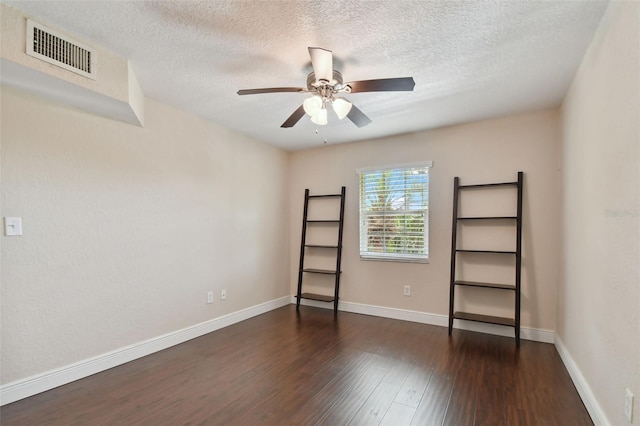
x: 394, y: 213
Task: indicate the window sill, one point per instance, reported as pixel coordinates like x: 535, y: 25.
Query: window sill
x: 394, y: 259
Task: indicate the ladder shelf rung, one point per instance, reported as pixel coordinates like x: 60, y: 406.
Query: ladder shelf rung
x: 485, y: 285
x: 487, y: 218
x: 485, y: 251
x: 319, y: 271
x: 320, y: 246
x: 323, y: 221
x: 326, y: 196
x: 485, y: 318
x: 319, y: 297
x: 487, y: 185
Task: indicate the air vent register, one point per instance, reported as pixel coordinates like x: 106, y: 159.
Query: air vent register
x: 50, y: 46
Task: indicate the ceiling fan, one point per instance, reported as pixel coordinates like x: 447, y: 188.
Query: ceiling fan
x: 324, y: 84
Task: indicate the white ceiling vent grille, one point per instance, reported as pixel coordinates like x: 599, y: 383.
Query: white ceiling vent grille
x: 50, y: 46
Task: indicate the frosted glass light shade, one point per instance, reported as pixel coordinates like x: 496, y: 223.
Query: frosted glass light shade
x: 320, y: 118
x: 342, y: 107
x: 312, y: 105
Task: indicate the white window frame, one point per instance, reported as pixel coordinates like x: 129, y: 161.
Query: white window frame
x: 364, y: 214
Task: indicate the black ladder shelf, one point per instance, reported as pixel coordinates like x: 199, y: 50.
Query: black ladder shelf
x: 304, y: 246
x: 510, y: 322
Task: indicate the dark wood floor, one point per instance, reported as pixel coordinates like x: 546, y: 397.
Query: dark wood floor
x: 307, y: 368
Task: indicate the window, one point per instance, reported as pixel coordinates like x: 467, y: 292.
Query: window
x: 394, y: 213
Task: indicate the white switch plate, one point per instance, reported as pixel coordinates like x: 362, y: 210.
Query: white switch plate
x: 210, y: 297
x: 12, y: 226
x: 223, y: 294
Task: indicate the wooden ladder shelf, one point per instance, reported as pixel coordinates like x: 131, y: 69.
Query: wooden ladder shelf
x: 455, y: 252
x: 337, y: 247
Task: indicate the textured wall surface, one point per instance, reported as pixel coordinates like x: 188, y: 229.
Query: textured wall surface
x: 599, y: 292
x: 127, y: 228
x: 487, y: 151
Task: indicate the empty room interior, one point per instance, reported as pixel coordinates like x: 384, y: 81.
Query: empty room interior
x: 341, y: 212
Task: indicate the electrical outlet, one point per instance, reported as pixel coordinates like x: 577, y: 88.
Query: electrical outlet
x: 223, y: 294
x: 628, y: 405
x: 210, y: 297
x: 407, y: 290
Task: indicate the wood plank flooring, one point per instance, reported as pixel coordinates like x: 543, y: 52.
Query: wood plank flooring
x: 308, y: 368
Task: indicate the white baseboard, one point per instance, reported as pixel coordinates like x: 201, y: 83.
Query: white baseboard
x: 30, y: 386
x: 584, y: 390
x: 534, y: 334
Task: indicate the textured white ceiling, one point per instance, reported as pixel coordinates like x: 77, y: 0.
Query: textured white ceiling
x: 470, y: 60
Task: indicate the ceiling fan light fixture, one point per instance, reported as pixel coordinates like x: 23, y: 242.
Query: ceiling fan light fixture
x: 324, y: 83
x: 312, y: 105
x: 320, y: 118
x: 341, y: 106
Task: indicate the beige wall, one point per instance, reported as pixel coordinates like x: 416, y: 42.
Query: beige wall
x: 487, y: 151
x: 127, y: 228
x: 599, y: 285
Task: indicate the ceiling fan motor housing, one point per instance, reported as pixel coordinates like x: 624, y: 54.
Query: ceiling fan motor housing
x: 320, y: 86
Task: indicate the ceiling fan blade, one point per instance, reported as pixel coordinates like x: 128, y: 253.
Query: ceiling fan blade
x: 271, y: 90
x: 358, y: 117
x: 294, y: 118
x: 383, y: 85
x: 322, y: 62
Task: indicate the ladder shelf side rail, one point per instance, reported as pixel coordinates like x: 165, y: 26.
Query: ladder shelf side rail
x: 302, y: 244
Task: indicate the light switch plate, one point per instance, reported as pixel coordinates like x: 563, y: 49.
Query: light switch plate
x: 12, y: 226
